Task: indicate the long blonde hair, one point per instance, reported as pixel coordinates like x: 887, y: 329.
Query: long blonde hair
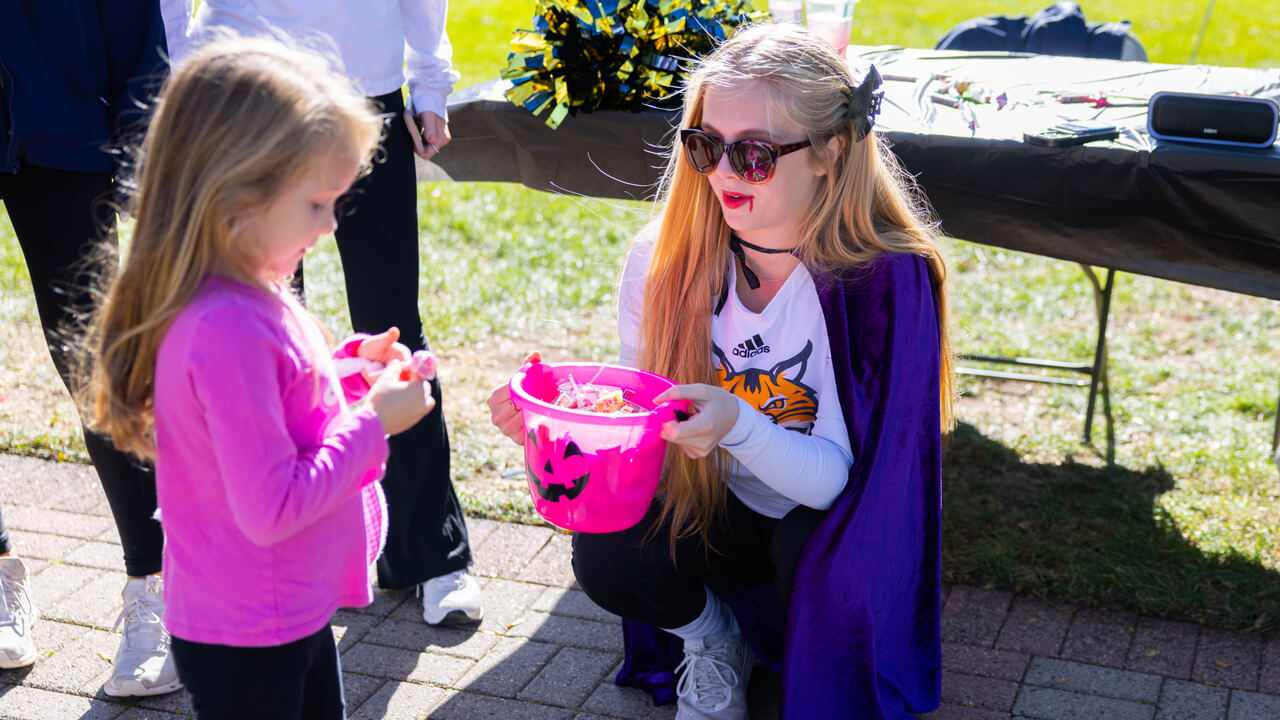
x: 866, y: 205
x: 238, y: 121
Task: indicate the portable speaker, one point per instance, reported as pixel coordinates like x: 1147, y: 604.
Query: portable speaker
x: 1214, y: 119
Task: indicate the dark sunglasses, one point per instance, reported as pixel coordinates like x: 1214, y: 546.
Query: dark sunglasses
x: 751, y: 160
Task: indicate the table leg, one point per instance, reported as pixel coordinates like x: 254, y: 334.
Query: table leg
x: 1098, y: 373
x: 1275, y: 435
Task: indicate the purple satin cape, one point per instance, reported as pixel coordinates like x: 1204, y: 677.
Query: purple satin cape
x: 863, y: 636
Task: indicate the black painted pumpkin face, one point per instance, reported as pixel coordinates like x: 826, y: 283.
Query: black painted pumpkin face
x: 564, y: 473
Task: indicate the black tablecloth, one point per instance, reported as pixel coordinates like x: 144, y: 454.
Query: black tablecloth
x: 1207, y: 215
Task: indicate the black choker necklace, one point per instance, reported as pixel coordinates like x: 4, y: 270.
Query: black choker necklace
x: 736, y: 244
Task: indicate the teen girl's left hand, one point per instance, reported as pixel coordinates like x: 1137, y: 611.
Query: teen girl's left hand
x: 503, y: 412
x: 714, y: 413
x: 382, y: 348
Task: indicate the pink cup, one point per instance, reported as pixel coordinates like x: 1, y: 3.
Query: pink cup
x: 588, y: 471
x: 831, y: 20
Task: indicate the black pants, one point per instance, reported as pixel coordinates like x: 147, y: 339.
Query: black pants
x: 301, y: 680
x: 378, y: 242
x: 58, y: 215
x: 632, y: 573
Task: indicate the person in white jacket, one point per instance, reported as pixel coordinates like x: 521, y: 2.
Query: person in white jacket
x: 380, y: 44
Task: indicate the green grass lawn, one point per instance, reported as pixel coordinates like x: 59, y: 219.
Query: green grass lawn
x: 1239, y: 33
x: 1182, y: 524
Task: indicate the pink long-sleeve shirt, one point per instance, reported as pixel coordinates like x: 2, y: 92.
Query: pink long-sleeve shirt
x: 266, y: 479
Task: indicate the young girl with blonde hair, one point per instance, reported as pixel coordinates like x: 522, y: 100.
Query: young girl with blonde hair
x: 202, y: 360
x: 792, y: 286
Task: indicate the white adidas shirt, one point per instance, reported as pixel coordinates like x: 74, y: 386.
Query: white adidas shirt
x: 790, y: 445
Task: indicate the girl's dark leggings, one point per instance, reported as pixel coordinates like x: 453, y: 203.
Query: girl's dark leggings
x: 632, y: 573
x: 301, y: 680
x: 59, y: 216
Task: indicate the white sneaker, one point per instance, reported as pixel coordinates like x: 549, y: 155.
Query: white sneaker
x: 452, y: 599
x: 142, y: 665
x: 17, y: 613
x: 714, y: 676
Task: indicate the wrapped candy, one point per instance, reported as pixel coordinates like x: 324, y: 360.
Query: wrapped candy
x: 613, y: 54
x: 422, y: 365
x: 595, y: 398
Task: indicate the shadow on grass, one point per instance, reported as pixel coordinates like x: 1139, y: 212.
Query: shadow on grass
x: 1092, y: 536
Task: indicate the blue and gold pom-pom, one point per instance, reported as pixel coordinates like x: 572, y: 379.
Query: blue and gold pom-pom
x: 613, y: 54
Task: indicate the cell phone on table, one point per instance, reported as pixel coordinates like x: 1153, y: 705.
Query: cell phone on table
x: 1075, y: 132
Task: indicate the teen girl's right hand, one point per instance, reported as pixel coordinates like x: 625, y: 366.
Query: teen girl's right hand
x: 399, y: 404
x: 503, y: 412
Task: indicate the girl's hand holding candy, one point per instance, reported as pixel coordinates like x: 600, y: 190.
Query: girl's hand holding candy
x: 400, y: 403
x: 397, y: 391
x: 381, y: 349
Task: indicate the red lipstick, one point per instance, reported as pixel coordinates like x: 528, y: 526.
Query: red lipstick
x: 734, y: 201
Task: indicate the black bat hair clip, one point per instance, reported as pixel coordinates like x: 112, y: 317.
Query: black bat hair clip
x: 864, y: 103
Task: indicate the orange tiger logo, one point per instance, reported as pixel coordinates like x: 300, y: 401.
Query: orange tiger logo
x: 787, y: 401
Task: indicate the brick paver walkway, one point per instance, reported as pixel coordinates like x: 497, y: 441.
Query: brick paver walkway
x: 545, y: 652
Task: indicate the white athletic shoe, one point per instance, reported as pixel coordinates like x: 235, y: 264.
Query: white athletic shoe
x: 17, y: 613
x: 142, y: 665
x: 452, y: 599
x: 713, y: 677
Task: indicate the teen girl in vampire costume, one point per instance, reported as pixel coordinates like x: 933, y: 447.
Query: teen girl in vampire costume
x: 791, y: 285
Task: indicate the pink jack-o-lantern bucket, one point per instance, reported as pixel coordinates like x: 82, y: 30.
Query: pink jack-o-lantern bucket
x: 591, y: 471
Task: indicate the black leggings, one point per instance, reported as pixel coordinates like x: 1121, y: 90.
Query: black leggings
x: 58, y: 216
x: 378, y: 241
x: 638, y: 579
x: 301, y: 680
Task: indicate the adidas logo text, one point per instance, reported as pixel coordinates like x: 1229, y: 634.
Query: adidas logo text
x: 751, y: 348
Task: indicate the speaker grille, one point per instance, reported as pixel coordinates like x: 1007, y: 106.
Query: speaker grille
x: 1210, y: 118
